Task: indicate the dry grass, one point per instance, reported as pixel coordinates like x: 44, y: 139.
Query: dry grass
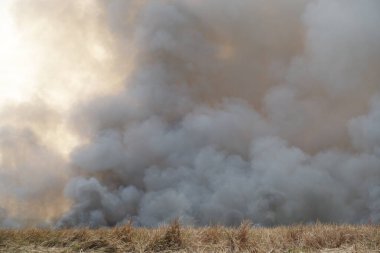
x: 174, y: 238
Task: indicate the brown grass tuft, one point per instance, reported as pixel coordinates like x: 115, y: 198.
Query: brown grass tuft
x: 97, y: 244
x: 171, y: 240
x: 242, y: 236
x: 124, y: 233
x: 212, y: 235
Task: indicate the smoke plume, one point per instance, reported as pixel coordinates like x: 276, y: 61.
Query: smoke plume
x: 212, y: 111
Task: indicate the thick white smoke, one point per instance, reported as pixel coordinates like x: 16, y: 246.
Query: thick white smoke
x: 230, y: 110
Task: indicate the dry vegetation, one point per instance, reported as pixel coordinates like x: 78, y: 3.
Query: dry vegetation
x: 174, y: 238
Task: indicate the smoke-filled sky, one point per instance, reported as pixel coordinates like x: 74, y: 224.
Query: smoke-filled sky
x: 212, y: 111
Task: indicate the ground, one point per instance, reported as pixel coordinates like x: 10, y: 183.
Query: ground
x: 175, y: 238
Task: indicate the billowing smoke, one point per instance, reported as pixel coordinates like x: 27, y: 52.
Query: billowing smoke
x: 212, y: 111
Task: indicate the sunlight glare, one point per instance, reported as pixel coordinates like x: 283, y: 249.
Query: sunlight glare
x: 17, y: 60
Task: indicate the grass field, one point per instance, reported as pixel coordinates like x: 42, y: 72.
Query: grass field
x: 174, y: 238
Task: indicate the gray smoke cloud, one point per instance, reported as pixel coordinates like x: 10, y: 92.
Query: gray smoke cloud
x: 229, y: 110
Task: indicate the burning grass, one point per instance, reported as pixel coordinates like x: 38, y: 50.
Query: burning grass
x: 175, y: 238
